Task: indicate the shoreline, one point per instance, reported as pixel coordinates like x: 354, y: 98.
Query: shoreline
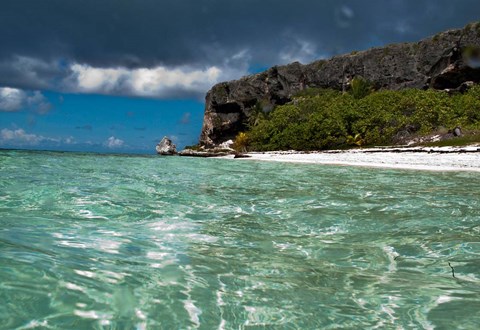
x: 415, y: 158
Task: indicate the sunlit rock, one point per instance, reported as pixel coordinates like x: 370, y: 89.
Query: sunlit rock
x: 166, y: 147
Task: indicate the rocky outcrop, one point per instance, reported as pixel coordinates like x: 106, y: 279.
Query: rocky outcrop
x: 206, y: 153
x: 221, y: 150
x: 438, y: 62
x: 166, y: 147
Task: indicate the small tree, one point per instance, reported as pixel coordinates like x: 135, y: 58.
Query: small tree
x: 241, y: 142
x: 360, y: 87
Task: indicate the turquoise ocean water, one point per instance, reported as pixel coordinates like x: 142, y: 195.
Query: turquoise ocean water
x: 117, y: 242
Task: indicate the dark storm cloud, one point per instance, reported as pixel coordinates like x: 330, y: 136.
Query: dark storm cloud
x: 29, y: 72
x: 41, y: 39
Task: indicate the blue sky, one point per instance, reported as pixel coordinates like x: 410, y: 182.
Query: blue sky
x: 92, y: 122
x: 116, y: 76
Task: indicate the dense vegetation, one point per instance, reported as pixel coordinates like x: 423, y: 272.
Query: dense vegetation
x: 319, y: 119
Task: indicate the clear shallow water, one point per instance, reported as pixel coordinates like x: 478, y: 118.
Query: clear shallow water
x: 117, y: 242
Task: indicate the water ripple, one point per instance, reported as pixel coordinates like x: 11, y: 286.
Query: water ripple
x: 91, y: 241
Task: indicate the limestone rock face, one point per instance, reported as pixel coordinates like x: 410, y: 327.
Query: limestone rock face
x: 437, y: 62
x: 166, y: 147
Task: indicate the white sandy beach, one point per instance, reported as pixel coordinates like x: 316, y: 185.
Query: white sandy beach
x: 432, y: 159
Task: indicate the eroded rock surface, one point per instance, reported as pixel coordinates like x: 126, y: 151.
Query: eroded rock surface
x: 438, y: 62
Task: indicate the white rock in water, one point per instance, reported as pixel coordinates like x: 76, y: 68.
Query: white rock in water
x: 166, y: 147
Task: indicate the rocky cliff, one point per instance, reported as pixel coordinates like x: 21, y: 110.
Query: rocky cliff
x: 443, y: 61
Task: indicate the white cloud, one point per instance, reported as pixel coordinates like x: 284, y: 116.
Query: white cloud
x: 13, y: 99
x: 39, y: 102
x: 112, y: 142
x: 151, y: 82
x: 240, y: 61
x: 344, y: 16
x: 19, y: 137
x: 298, y: 50
x: 88, y: 78
x: 70, y: 140
x: 156, y: 82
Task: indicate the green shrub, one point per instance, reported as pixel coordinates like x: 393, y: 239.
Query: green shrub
x: 360, y: 87
x: 325, y: 119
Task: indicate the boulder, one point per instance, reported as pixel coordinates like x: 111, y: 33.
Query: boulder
x: 166, y: 147
x: 457, y: 131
